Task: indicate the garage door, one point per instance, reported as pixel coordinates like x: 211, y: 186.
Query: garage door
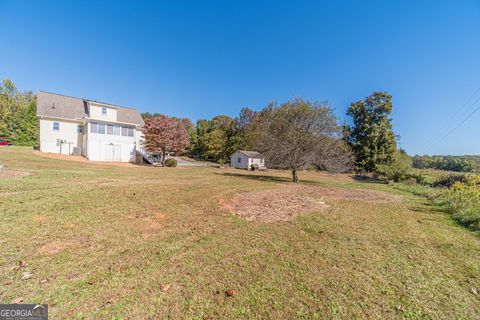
x: 112, y: 152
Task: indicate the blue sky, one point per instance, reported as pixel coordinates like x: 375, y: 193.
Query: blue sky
x: 202, y: 58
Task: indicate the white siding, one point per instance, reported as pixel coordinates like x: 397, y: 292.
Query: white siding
x: 67, y: 131
x: 98, y: 149
x: 139, y: 138
x: 96, y: 113
x: 244, y: 161
x: 255, y: 161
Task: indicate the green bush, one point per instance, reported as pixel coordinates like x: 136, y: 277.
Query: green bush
x: 463, y: 202
x: 170, y: 162
x: 449, y: 180
x: 399, y: 170
x: 424, y: 177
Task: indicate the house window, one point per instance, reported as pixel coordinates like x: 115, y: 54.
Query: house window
x: 93, y: 127
x: 130, y: 132
x: 116, y: 130
x: 101, y: 128
x: 239, y: 160
x: 79, y: 128
x: 109, y: 128
x: 124, y: 131
x: 104, y: 110
x: 56, y: 126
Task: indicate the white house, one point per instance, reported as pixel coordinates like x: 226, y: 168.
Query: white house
x: 96, y: 130
x: 245, y: 159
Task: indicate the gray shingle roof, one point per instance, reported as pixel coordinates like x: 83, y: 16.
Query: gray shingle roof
x: 65, y: 107
x: 251, y: 154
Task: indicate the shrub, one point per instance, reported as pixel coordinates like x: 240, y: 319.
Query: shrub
x: 442, y: 179
x: 448, y: 180
x: 424, y: 177
x: 399, y: 170
x: 463, y: 202
x: 170, y: 162
x: 472, y: 179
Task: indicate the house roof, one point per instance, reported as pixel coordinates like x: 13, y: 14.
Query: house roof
x: 66, y: 107
x: 251, y: 154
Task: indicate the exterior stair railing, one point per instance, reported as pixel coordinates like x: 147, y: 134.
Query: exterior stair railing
x: 151, y: 158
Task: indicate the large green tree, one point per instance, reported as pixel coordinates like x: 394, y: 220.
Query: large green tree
x: 216, y: 139
x: 18, y: 120
x: 371, y: 136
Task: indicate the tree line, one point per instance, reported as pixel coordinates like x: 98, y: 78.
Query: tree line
x: 18, y: 118
x: 448, y: 163
x: 295, y: 135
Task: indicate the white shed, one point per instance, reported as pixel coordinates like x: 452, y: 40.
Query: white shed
x: 245, y: 159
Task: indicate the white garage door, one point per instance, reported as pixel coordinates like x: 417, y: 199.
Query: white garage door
x: 112, y: 152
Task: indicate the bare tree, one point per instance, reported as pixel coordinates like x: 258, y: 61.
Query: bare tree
x: 299, y: 134
x: 335, y: 156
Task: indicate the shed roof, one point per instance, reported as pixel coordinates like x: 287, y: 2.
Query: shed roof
x: 66, y: 107
x: 251, y: 154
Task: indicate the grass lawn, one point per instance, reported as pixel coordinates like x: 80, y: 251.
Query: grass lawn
x: 110, y: 242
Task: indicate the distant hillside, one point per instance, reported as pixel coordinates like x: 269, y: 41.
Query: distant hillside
x: 468, y: 163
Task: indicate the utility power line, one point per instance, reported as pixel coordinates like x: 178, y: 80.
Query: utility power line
x: 460, y: 124
x: 464, y: 105
x: 462, y: 110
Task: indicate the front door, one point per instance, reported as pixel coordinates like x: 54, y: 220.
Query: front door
x: 112, y: 152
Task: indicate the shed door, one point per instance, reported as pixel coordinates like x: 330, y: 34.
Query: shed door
x: 116, y: 153
x: 112, y: 152
x: 65, y: 148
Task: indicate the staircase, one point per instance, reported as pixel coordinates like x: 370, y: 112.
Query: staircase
x: 150, y: 158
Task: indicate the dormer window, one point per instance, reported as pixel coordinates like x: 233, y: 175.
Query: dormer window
x: 104, y: 110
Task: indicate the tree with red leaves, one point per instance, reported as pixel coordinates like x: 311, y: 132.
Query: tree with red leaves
x: 164, y: 134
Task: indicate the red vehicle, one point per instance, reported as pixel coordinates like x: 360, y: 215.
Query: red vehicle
x: 3, y: 143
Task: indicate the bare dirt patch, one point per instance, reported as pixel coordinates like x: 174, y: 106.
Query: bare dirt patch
x: 52, y: 248
x: 56, y: 246
x: 281, y: 204
x: 284, y: 203
x: 160, y: 216
x: 148, y: 223
x: 13, y: 174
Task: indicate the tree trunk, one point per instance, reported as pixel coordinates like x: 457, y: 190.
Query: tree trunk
x: 164, y: 154
x: 295, y: 175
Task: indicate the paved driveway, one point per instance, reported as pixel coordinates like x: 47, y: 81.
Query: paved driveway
x: 183, y: 162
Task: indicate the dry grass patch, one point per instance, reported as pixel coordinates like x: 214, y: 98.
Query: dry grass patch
x: 365, y: 256
x: 280, y: 204
x: 286, y: 202
x: 57, y: 246
x: 4, y: 174
x: 365, y: 195
x: 52, y: 247
x: 83, y: 159
x: 148, y: 224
